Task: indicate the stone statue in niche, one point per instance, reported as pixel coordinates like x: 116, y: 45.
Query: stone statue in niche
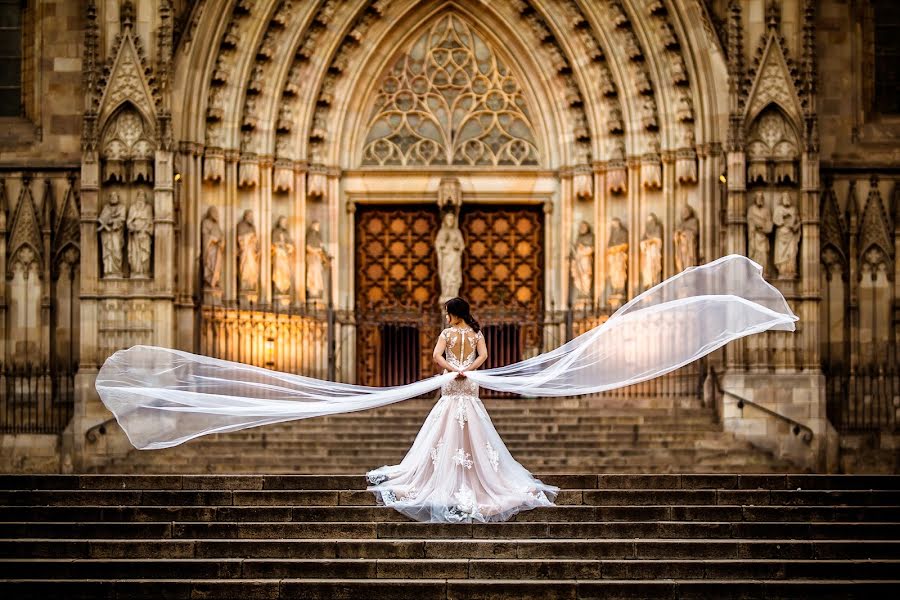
x: 787, y: 237
x: 687, y: 239
x: 282, y: 255
x: 248, y: 255
x: 315, y: 262
x: 759, y: 226
x: 651, y: 252
x: 617, y: 257
x: 212, y: 239
x: 583, y: 261
x: 140, y: 235
x: 111, y: 225
x: 449, y: 244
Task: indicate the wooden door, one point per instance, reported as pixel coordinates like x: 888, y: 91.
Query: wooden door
x: 396, y: 293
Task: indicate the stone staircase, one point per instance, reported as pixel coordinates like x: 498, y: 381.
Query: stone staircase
x: 320, y: 537
x: 547, y: 435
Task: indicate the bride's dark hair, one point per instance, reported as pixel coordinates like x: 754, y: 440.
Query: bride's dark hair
x: 460, y: 308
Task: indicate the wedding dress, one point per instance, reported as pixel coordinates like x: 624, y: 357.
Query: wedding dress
x: 458, y: 469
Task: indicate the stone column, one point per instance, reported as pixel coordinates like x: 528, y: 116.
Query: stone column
x: 164, y: 263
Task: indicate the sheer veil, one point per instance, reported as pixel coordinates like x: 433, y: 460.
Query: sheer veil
x: 163, y: 397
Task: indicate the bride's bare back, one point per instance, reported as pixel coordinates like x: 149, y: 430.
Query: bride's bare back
x: 460, y: 348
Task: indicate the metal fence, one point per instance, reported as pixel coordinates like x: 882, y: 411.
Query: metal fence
x: 36, y: 399
x: 863, y: 399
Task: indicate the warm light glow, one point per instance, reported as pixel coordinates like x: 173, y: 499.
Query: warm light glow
x: 722, y: 178
x: 269, y: 352
x: 177, y: 176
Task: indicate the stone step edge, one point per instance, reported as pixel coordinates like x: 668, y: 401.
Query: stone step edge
x: 444, y: 540
x: 568, y: 583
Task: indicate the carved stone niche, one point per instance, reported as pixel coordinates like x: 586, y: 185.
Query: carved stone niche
x: 449, y: 194
x: 583, y: 182
x: 283, y: 176
x: 773, y: 149
x: 651, y: 171
x: 616, y: 171
x: 127, y: 148
x: 316, y: 181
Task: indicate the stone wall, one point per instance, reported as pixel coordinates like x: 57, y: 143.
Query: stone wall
x: 685, y: 110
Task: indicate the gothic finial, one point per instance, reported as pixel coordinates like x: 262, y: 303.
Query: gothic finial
x: 735, y: 56
x: 126, y: 13
x: 773, y: 14
x: 90, y: 61
x: 810, y: 74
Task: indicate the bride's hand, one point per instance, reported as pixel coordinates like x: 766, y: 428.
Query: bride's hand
x: 460, y: 374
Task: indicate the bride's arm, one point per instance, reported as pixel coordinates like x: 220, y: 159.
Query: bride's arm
x: 438, y: 353
x: 481, y: 347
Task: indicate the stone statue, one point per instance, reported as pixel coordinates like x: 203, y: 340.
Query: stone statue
x: 315, y: 262
x: 687, y: 239
x: 759, y: 226
x: 617, y: 256
x: 651, y: 252
x: 449, y: 245
x: 140, y: 235
x: 282, y: 253
x: 212, y: 240
x: 112, y: 235
x: 248, y: 254
x: 583, y: 261
x: 787, y: 237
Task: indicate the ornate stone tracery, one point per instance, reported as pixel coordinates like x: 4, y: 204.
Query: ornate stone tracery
x: 450, y: 100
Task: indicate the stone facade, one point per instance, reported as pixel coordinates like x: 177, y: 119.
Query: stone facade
x: 320, y: 111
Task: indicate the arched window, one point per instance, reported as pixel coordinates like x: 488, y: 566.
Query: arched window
x: 12, y: 17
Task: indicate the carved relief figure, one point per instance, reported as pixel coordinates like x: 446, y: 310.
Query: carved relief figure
x: 140, y: 235
x: 212, y: 240
x: 248, y: 254
x: 787, y: 237
x: 651, y: 252
x: 759, y: 226
x: 282, y: 253
x: 449, y: 245
x: 112, y: 235
x: 687, y: 239
x: 315, y: 262
x: 617, y: 256
x: 583, y: 261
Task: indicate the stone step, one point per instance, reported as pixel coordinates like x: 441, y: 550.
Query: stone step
x: 645, y: 548
x: 623, y: 481
x: 622, y: 497
x: 530, y: 569
x: 392, y: 530
x: 578, y: 514
x: 446, y: 589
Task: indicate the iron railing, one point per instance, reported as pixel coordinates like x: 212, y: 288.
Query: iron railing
x: 36, y: 399
x: 863, y: 399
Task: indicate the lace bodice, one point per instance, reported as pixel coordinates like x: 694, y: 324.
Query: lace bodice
x: 462, y: 344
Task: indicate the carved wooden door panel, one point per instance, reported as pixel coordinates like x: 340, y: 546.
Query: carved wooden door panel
x: 503, y: 277
x: 396, y: 293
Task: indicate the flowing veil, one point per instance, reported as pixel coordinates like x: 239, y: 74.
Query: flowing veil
x: 163, y: 397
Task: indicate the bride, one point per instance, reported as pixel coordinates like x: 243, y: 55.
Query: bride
x: 458, y: 470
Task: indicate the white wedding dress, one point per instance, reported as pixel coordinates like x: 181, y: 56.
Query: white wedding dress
x: 458, y: 469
